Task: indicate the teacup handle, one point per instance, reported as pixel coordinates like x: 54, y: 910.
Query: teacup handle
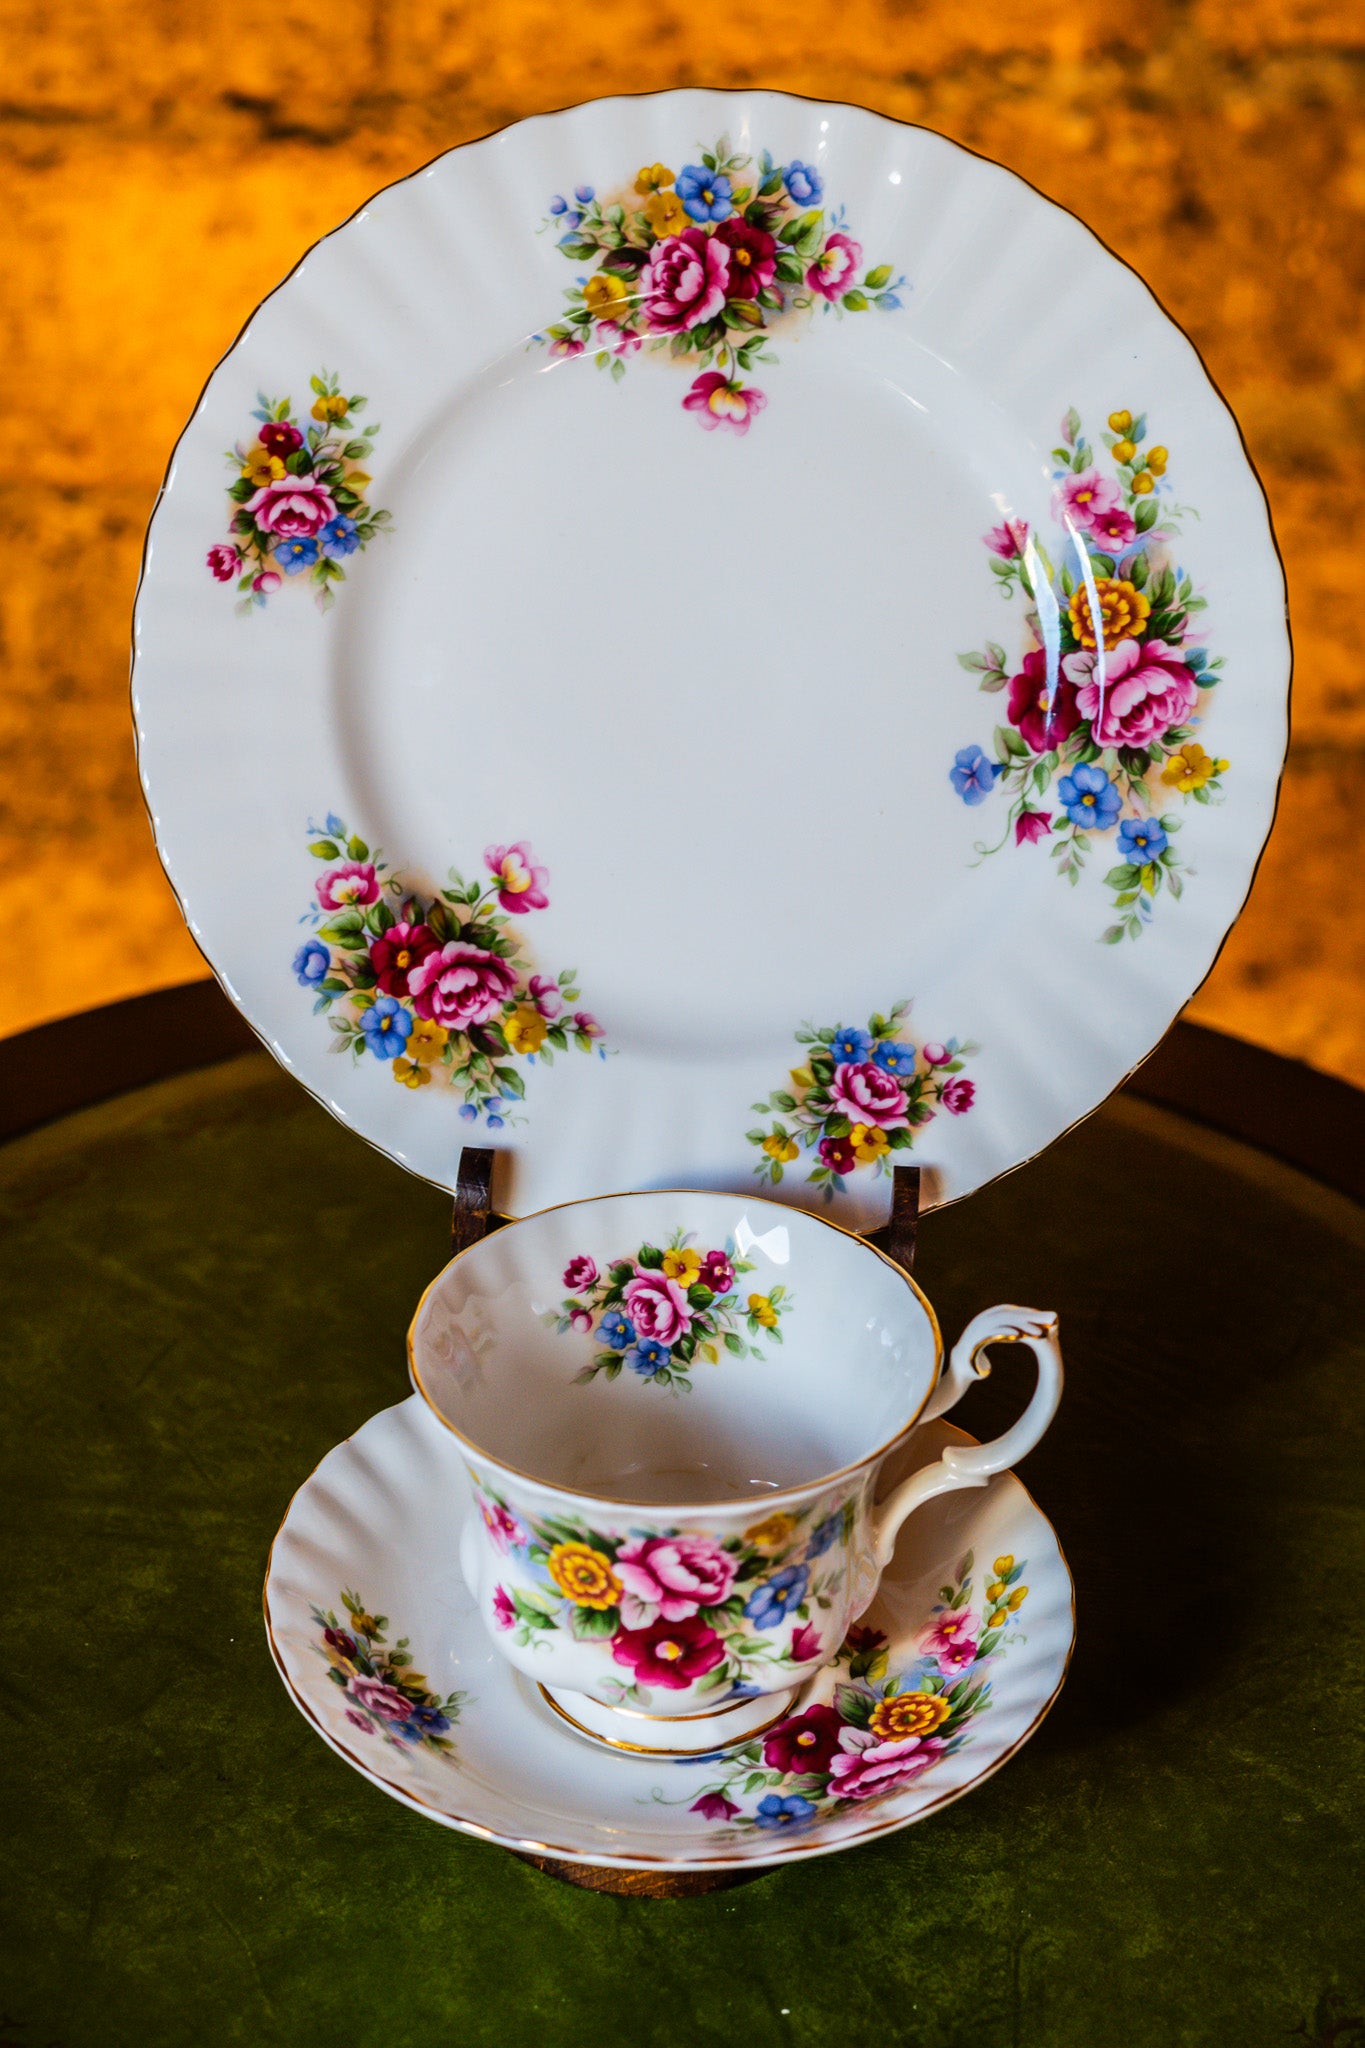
x: 974, y: 1464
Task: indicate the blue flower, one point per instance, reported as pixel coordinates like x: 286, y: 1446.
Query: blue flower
x: 1140, y: 840
x: 973, y: 776
x: 894, y: 1056
x: 430, y: 1720
x: 584, y: 194
x: 339, y: 537
x: 887, y: 302
x: 648, y: 1357
x: 1088, y: 797
x: 776, y: 1812
x: 294, y: 556
x: 776, y: 1597
x: 559, y: 204
x: 824, y: 1533
x: 850, y: 1046
x: 311, y: 963
x: 386, y: 1025
x: 495, y: 1122
x: 804, y: 183
x: 705, y: 194
x: 469, y: 1112
x: 568, y: 241
x: 616, y: 1329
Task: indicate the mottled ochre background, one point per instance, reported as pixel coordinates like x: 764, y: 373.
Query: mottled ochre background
x: 165, y: 162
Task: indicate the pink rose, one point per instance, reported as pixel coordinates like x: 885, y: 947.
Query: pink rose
x: 384, y: 1700
x: 223, y: 562
x: 354, y: 883
x: 580, y: 1273
x: 268, y: 580
x: 1008, y: 540
x: 952, y: 1639
x: 1080, y: 500
x: 545, y: 995
x: 863, y: 1767
x: 805, y: 1643
x: 294, y: 507
x: 720, y: 403
x: 658, y: 1307
x: 936, y: 1055
x: 521, y: 884
x: 835, y: 268
x: 672, y: 1577
x: 461, y: 985
x: 1147, y: 689
x: 684, y: 281
x: 865, y: 1095
x: 504, y: 1613
x: 580, y: 1319
x: 958, y: 1095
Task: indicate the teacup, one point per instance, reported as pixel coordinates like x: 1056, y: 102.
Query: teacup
x: 674, y: 1409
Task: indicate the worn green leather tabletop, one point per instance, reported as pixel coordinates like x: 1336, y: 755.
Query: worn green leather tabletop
x: 206, y: 1285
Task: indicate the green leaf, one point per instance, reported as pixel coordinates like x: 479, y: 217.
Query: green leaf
x: 855, y: 302
x: 1144, y: 515
x: 734, y: 1344
x: 875, y: 279
x: 591, y: 1624
x: 325, y: 849
x: 357, y: 849
x: 650, y: 1257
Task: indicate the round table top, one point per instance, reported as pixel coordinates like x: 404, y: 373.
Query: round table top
x: 206, y: 1285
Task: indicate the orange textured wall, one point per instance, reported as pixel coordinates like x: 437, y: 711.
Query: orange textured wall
x: 164, y: 163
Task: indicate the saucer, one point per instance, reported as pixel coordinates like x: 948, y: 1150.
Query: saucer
x: 731, y: 644
x: 380, y: 1647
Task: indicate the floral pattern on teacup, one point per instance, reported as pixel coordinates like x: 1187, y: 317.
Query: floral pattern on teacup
x: 659, y: 1310
x: 880, y: 1733
x: 440, y: 985
x: 1095, y: 719
x: 704, y: 263
x: 384, y: 1695
x: 299, y: 497
x: 860, y: 1097
x: 677, y: 1608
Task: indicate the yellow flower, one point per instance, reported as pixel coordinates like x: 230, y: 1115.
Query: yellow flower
x: 1143, y: 483
x: 779, y: 1148
x: 996, y: 1590
x: 869, y: 1142
x: 260, y: 468
x: 525, y: 1029
x: 364, y: 1624
x: 1119, y: 422
x: 666, y: 214
x: 653, y: 178
x: 584, y: 1575
x: 427, y: 1038
x: 770, y: 1535
x: 1017, y: 1599
x: 1157, y: 458
x: 1123, y: 611
x: 683, y: 1267
x: 1190, y: 768
x: 607, y: 296
x: 408, y: 1074
x: 1124, y: 451
x: 1003, y: 1565
x: 908, y: 1713
x: 762, y: 1311
x: 331, y: 406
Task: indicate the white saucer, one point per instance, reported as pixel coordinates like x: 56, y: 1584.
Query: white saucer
x: 709, y: 775
x: 368, y: 1553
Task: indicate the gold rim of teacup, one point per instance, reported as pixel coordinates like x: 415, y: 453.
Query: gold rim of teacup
x: 767, y: 1500
x: 649, y: 1749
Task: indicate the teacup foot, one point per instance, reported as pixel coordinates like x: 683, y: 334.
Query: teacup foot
x: 662, y: 1735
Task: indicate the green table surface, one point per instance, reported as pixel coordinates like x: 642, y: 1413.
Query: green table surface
x: 206, y: 1285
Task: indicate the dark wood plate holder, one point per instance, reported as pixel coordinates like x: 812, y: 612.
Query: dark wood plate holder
x: 472, y: 1218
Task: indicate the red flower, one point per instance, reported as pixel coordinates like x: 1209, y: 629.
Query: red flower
x: 670, y: 1653
x: 753, y: 258
x: 959, y: 1095
x: 714, y: 1806
x: 837, y: 1154
x: 279, y: 438
x: 395, y: 955
x: 1042, y: 724
x: 805, y: 1643
x: 338, y: 1639
x: 806, y: 1742
x: 1031, y: 826
x: 717, y: 1273
x: 353, y: 885
x: 224, y: 562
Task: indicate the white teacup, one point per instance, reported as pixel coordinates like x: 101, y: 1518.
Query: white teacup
x: 674, y: 1409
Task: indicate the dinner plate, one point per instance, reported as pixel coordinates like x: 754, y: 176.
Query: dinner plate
x: 711, y: 640
x: 384, y: 1653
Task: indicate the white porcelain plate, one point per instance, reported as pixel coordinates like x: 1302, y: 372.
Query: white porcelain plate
x: 711, y: 635
x: 386, y: 1656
